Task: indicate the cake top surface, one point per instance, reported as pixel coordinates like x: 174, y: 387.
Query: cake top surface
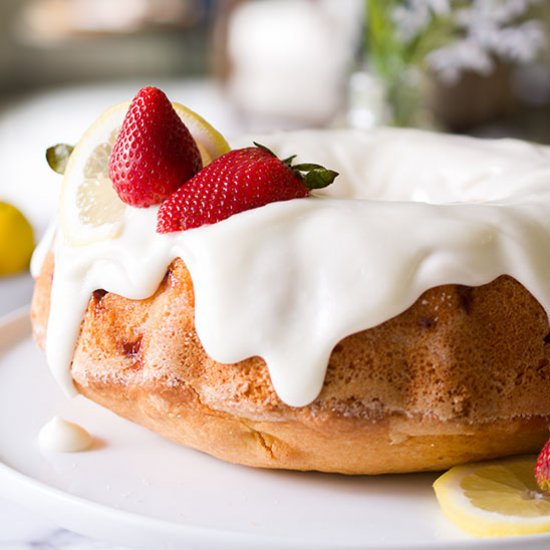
x: 410, y: 210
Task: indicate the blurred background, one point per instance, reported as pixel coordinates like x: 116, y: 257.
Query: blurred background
x: 471, y: 66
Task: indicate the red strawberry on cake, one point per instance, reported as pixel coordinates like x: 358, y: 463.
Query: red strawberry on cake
x: 154, y: 153
x: 237, y: 181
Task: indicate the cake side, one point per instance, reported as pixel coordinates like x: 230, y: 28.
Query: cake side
x: 463, y: 374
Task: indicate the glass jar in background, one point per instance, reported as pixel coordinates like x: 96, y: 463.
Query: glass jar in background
x: 284, y: 63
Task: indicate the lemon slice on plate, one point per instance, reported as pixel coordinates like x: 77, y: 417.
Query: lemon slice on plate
x: 492, y: 499
x: 90, y: 209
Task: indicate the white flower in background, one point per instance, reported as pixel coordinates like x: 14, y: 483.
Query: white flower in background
x: 501, y: 12
x: 440, y: 7
x: 450, y: 61
x: 520, y: 44
x: 412, y: 19
x: 487, y: 29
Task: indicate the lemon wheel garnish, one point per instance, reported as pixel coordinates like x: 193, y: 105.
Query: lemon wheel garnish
x: 210, y: 142
x: 494, y: 499
x: 16, y: 240
x: 90, y: 209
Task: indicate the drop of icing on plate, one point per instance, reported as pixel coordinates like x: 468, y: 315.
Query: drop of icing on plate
x: 61, y: 436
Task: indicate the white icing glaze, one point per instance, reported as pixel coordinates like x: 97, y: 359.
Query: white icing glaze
x: 41, y: 251
x: 410, y: 210
x: 61, y: 436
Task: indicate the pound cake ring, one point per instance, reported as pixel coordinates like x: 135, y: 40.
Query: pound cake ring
x: 395, y: 322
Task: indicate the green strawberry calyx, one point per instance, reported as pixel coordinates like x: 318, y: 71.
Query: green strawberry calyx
x: 313, y: 176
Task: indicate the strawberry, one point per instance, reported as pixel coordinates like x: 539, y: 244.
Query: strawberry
x: 240, y: 180
x: 542, y: 469
x: 154, y: 153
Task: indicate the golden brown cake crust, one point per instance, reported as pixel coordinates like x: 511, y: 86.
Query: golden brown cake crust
x: 463, y: 374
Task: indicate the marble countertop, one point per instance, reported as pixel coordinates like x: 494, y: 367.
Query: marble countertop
x: 22, y: 530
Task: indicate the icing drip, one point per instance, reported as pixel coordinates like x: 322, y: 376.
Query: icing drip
x: 410, y: 210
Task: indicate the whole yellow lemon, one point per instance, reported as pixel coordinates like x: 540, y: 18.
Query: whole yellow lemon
x: 16, y: 240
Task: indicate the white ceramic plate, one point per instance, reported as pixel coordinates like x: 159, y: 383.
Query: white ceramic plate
x: 137, y: 489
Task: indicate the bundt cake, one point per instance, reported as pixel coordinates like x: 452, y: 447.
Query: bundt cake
x: 395, y: 322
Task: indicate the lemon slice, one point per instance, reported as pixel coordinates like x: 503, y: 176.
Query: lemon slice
x: 493, y: 499
x: 16, y: 240
x: 210, y: 142
x: 90, y: 209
